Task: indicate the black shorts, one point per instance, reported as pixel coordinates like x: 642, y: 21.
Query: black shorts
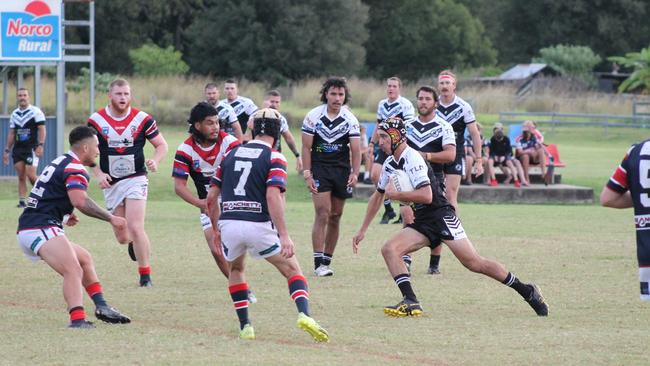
x: 442, y: 224
x: 456, y: 167
x: 332, y: 179
x: 24, y: 154
x: 380, y: 157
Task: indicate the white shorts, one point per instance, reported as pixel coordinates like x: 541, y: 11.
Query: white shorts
x: 132, y: 188
x: 31, y: 240
x: 205, y: 222
x: 259, y: 238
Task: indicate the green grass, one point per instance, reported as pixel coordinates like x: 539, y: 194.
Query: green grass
x: 583, y: 258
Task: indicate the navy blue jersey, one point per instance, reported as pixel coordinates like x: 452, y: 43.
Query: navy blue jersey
x: 121, y: 142
x: 458, y: 114
x: 330, y: 146
x: 500, y: 147
x: 634, y: 175
x: 48, y: 201
x: 25, y: 123
x: 244, y: 176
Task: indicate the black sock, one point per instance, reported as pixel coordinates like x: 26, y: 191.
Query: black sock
x: 434, y: 260
x: 407, y: 259
x: 403, y: 281
x: 239, y: 295
x: 387, y: 206
x: 523, y: 289
x: 327, y: 258
x: 318, y: 259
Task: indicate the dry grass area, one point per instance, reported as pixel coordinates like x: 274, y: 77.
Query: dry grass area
x: 170, y: 98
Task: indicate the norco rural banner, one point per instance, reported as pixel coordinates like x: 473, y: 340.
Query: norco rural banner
x: 30, y: 30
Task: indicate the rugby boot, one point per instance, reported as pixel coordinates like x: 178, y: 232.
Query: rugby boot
x: 111, y: 315
x: 83, y: 324
x: 310, y: 326
x: 387, y: 216
x: 405, y: 307
x: 146, y: 283
x: 433, y: 270
x: 323, y: 271
x: 247, y: 333
x: 252, y: 299
x: 536, y: 301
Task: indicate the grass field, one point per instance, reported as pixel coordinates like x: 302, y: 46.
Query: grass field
x: 583, y: 258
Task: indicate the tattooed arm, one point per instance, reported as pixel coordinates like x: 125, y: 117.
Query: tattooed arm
x: 85, y: 204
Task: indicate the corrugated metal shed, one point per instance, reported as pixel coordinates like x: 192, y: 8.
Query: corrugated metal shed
x: 522, y: 71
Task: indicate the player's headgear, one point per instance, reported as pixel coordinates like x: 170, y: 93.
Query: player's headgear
x: 198, y: 113
x: 266, y: 121
x: 396, y: 129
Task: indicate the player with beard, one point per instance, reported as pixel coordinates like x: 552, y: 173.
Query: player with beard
x: 331, y: 158
x: 60, y: 189
x: 122, y: 171
x: 227, y: 117
x: 435, y: 222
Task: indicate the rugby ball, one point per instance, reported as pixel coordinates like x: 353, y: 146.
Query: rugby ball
x: 401, y: 181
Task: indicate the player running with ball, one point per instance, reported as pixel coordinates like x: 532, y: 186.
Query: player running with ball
x: 435, y: 222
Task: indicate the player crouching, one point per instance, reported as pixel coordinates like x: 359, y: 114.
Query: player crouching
x: 435, y: 222
x: 60, y: 189
x: 252, y: 179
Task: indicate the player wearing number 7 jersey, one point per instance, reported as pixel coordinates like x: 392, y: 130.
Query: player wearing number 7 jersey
x: 251, y: 180
x: 629, y: 186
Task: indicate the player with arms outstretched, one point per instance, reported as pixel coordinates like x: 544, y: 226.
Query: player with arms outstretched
x: 435, y: 222
x: 629, y: 187
x: 60, y: 189
x: 251, y: 180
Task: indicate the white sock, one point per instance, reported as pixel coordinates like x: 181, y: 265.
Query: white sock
x: 644, y: 279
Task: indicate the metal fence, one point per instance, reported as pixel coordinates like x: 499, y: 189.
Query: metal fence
x: 49, y: 153
x: 577, y: 119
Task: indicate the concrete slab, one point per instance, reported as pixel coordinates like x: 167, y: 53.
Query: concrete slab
x: 535, y: 194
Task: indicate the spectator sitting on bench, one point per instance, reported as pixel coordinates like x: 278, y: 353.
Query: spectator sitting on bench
x: 470, y: 156
x: 529, y: 150
x: 500, y: 155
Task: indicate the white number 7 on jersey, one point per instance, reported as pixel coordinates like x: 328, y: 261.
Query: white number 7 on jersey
x: 246, y: 167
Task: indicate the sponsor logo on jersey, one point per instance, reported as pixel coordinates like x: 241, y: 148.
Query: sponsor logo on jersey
x: 642, y: 222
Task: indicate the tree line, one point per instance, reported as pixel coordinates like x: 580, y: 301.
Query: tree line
x: 283, y: 40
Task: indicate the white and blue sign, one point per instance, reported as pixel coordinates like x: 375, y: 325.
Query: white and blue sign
x: 30, y: 30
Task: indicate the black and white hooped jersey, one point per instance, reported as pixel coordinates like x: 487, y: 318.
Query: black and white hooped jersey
x: 200, y: 163
x: 244, y: 175
x: 400, y: 107
x: 25, y: 122
x: 633, y: 174
x: 430, y: 137
x: 284, y: 127
x: 331, y: 137
x: 48, y: 202
x: 244, y: 109
x: 420, y: 174
x: 459, y: 114
x: 121, y: 142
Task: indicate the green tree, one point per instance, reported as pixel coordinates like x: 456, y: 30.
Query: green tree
x: 413, y: 38
x: 278, y: 40
x: 573, y: 61
x: 639, y: 62
x: 151, y: 60
x: 519, y: 28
